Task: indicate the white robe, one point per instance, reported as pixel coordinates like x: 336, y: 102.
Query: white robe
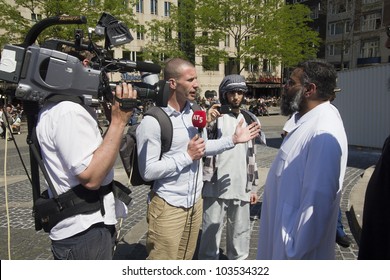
x: 303, y: 189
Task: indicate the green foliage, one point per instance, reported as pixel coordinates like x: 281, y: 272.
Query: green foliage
x: 165, y: 38
x: 256, y: 29
x: 16, y: 27
x: 290, y: 39
x: 13, y: 24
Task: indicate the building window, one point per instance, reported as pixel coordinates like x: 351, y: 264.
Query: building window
x: 371, y: 22
x: 209, y: 64
x: 140, y: 32
x: 247, y: 40
x: 129, y: 55
x: 340, y: 6
x: 167, y: 9
x: 252, y: 66
x: 153, y: 7
x: 36, y: 17
x: 314, y: 12
x: 336, y: 49
x: 209, y: 39
x: 139, y: 8
x: 331, y: 50
x: 370, y: 49
x: 267, y: 66
x: 227, y: 40
x: 168, y: 35
x: 162, y: 57
x: 339, y: 27
x: 153, y: 36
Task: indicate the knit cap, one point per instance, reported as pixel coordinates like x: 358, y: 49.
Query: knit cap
x: 231, y: 83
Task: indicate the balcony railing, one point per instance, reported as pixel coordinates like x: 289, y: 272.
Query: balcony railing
x: 368, y: 60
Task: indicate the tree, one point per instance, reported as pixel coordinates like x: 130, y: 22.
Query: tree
x: 174, y: 35
x: 12, y: 23
x: 235, y: 23
x: 253, y: 27
x: 289, y: 39
x: 15, y: 27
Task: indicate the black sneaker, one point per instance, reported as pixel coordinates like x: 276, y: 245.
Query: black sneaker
x: 343, y: 241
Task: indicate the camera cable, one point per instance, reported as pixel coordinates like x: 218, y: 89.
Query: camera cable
x: 9, y: 135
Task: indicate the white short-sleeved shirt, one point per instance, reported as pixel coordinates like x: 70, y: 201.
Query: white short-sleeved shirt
x: 68, y: 135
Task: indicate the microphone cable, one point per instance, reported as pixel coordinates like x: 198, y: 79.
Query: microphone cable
x: 192, y: 210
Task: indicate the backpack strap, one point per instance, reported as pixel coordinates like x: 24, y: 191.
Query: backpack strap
x: 247, y: 116
x: 250, y: 118
x: 56, y: 98
x: 165, y: 125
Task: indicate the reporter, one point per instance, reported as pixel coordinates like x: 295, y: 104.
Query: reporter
x: 74, y: 153
x: 175, y: 204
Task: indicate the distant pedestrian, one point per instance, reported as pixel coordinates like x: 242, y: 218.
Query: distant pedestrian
x: 16, y: 123
x: 2, y: 123
x: 9, y: 121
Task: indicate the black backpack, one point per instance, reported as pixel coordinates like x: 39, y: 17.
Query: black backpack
x: 128, y: 148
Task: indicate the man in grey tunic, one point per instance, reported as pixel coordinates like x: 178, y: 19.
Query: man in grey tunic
x: 229, y: 178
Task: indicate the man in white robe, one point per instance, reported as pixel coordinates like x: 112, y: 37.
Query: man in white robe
x: 303, y: 187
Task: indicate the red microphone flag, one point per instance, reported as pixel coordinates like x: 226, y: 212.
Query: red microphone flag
x: 199, y: 120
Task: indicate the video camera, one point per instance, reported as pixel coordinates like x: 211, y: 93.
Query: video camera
x: 43, y: 71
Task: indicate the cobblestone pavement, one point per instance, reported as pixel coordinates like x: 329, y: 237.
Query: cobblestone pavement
x: 20, y: 240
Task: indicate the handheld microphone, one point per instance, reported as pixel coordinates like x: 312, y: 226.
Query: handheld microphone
x: 199, y: 120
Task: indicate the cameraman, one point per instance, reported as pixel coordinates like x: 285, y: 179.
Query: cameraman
x: 75, y: 153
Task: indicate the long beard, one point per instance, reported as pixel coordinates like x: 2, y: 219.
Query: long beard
x: 291, y: 104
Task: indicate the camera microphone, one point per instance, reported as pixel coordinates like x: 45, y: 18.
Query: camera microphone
x: 199, y: 120
x: 130, y: 66
x: 148, y: 67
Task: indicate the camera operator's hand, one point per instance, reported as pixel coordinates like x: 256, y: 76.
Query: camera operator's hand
x: 213, y: 113
x: 105, y: 156
x: 117, y: 113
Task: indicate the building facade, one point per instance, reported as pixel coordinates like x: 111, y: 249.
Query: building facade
x: 353, y: 31
x: 263, y: 79
x: 356, y: 33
